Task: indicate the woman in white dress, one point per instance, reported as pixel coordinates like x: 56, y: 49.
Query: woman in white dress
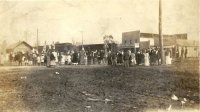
x: 146, y: 59
x: 85, y: 59
x: 167, y: 57
x: 42, y: 59
x: 38, y: 60
x: 56, y: 57
x: 63, y: 59
x: 133, y: 61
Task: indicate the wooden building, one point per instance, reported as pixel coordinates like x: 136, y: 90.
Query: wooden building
x: 98, y: 47
x: 132, y: 37
x: 20, y: 46
x: 58, y: 47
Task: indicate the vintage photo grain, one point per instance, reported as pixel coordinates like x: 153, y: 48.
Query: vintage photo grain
x: 99, y: 55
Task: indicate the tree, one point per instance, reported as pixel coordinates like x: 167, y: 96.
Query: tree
x: 108, y: 39
x: 108, y: 43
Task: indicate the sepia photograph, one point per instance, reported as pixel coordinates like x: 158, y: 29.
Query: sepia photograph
x: 99, y: 55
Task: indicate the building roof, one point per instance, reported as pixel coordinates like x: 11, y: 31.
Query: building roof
x: 61, y: 47
x: 63, y: 44
x: 178, y: 36
x: 188, y: 43
x: 138, y: 34
x: 135, y: 34
x: 148, y: 35
x: 144, y: 45
x: 14, y: 45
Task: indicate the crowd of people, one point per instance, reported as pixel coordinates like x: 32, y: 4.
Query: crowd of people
x: 52, y: 58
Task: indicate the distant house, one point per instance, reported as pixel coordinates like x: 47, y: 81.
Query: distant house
x: 91, y: 47
x: 130, y: 39
x: 94, y: 47
x: 20, y: 46
x: 134, y: 40
x: 63, y: 47
x: 59, y: 47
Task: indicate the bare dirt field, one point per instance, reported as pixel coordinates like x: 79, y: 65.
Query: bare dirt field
x: 100, y: 88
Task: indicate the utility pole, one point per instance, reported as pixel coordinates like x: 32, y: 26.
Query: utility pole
x: 160, y: 32
x: 37, y: 38
x: 82, y: 38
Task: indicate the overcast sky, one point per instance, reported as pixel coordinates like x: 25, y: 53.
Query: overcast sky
x: 63, y: 20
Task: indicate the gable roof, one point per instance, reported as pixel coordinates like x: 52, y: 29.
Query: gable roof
x: 13, y: 46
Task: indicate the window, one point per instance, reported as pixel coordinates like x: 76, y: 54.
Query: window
x: 124, y: 41
x: 130, y: 41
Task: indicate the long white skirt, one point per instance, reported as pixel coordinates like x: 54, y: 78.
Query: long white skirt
x: 63, y: 60
x: 133, y: 61
x: 146, y: 60
x: 168, y: 60
x: 53, y: 63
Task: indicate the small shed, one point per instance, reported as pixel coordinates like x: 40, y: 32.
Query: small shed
x: 20, y: 46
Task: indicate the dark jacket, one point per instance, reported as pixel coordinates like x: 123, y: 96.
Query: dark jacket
x: 126, y: 56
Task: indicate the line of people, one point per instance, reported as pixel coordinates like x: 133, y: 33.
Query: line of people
x: 141, y: 57
x: 52, y: 58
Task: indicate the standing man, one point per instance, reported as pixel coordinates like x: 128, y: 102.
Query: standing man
x: 114, y: 58
x: 119, y: 57
x: 137, y: 57
x: 48, y: 60
x: 82, y: 56
x: 101, y: 56
x: 182, y: 52
x: 20, y: 55
x: 52, y: 60
x: 75, y: 57
x: 126, y: 59
x: 45, y: 59
x: 109, y: 58
x: 177, y: 53
x: 186, y: 51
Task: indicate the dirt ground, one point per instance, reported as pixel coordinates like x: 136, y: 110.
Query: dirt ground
x: 100, y: 88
